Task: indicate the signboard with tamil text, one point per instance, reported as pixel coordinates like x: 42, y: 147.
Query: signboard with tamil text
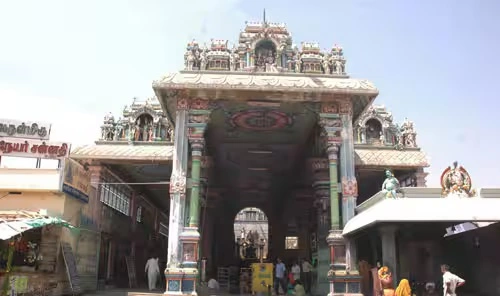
x: 24, y: 129
x: 76, y: 180
x: 33, y: 148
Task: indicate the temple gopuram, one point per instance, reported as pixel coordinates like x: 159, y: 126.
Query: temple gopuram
x: 278, y: 127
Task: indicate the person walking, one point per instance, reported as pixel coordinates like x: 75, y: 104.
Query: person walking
x: 450, y: 281
x: 295, y: 271
x: 306, y: 271
x: 279, y: 280
x: 152, y: 270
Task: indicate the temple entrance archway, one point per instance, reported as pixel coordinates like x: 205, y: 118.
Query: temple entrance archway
x: 251, y: 232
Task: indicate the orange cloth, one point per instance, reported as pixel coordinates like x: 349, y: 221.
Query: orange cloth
x: 403, y: 288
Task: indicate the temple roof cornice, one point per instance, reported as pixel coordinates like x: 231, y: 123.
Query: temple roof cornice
x: 275, y: 83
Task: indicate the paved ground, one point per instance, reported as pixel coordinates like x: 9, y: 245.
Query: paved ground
x: 123, y: 292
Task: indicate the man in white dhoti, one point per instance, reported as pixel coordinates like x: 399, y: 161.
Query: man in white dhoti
x: 153, y: 271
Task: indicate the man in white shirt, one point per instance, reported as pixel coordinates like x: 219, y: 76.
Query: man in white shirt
x: 152, y: 269
x: 450, y: 281
x: 213, y: 287
x: 306, y: 270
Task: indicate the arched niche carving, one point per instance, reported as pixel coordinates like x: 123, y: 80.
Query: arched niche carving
x: 251, y: 230
x: 265, y: 55
x: 143, y: 127
x: 145, y: 111
x: 374, y: 130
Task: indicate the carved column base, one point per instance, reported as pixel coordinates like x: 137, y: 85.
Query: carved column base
x: 182, y: 280
x: 342, y: 280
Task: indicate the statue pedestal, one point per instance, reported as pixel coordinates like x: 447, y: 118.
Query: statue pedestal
x: 345, y: 283
x: 342, y: 281
x: 181, y: 281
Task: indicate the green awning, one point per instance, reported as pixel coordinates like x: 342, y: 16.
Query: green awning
x: 11, y: 228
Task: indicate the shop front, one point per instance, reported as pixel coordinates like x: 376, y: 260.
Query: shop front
x: 42, y: 216
x: 28, y: 253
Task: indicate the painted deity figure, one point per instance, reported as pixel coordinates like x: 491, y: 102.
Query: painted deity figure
x: 233, y: 60
x: 118, y: 130
x: 298, y: 63
x: 170, y: 133
x: 203, y: 61
x: 270, y: 62
x: 382, y: 138
x: 150, y: 133
x: 326, y: 65
x: 137, y: 132
x: 338, y: 67
x: 190, y: 59
x: 457, y: 182
x: 390, y: 185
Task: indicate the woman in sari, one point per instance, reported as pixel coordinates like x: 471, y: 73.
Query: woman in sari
x: 385, y: 277
x: 404, y: 288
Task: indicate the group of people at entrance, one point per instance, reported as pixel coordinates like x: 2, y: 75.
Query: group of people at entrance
x: 297, y: 281
x: 383, y: 284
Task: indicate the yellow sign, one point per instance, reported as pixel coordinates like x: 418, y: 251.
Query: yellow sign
x: 19, y: 284
x: 76, y: 180
x: 262, y: 276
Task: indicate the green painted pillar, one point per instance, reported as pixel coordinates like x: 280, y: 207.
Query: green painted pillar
x: 194, y: 201
x: 332, y: 150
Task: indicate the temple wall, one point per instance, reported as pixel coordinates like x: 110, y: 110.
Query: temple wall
x: 474, y: 256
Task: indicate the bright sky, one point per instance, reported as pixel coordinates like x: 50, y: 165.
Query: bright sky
x: 435, y: 62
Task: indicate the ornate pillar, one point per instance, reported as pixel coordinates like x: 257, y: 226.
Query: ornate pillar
x: 348, y: 177
x: 321, y: 185
x: 198, y: 118
x: 174, y: 271
x: 333, y: 125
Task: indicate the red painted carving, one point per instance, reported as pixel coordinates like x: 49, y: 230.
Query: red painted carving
x: 261, y: 120
x: 349, y: 187
x: 345, y: 108
x: 332, y: 107
x: 182, y: 103
x: 199, y: 104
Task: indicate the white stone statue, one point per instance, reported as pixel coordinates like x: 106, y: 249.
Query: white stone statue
x: 326, y: 65
x: 338, y: 67
x: 270, y: 62
x: 233, y: 60
x: 382, y: 138
x: 298, y: 63
x: 203, y: 61
x: 190, y: 61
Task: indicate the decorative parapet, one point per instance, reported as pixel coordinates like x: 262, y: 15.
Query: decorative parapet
x: 376, y: 127
x: 141, y: 122
x: 264, y: 47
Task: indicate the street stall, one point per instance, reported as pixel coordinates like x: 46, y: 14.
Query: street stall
x: 29, y: 244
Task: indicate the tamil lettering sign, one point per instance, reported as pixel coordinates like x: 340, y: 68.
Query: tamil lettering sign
x: 24, y: 129
x: 76, y: 180
x: 33, y: 148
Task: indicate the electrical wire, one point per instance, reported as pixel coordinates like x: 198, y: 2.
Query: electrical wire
x: 132, y: 183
